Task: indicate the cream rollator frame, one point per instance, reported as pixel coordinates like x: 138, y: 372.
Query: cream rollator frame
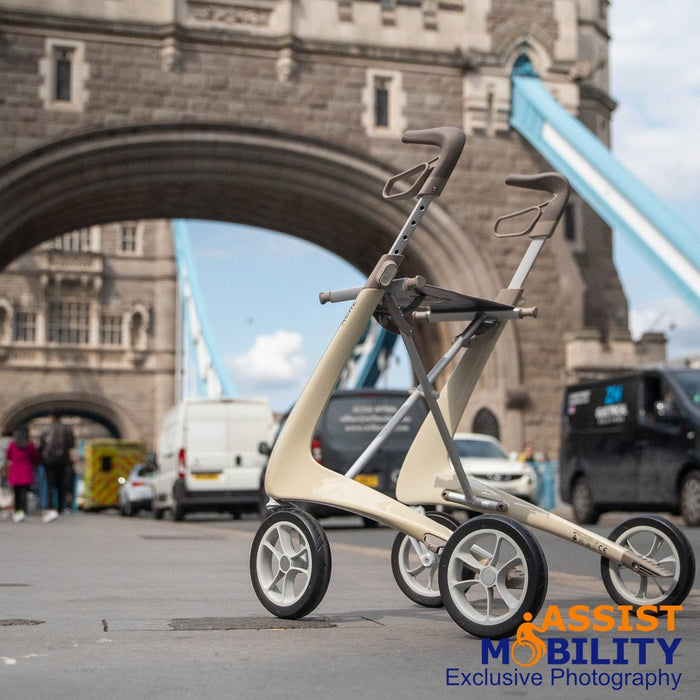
x: 490, y: 571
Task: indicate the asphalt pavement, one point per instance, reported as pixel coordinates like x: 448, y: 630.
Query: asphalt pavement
x: 100, y: 606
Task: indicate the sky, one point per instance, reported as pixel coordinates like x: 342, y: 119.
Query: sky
x: 270, y: 346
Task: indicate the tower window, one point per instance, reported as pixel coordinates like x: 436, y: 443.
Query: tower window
x: 111, y: 330
x: 381, y: 101
x: 73, y: 242
x: 385, y: 101
x: 69, y: 322
x: 128, y: 239
x: 569, y: 224
x: 25, y: 327
x: 64, y: 74
x: 62, y: 84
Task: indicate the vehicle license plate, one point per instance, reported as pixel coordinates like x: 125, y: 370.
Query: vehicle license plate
x: 368, y: 480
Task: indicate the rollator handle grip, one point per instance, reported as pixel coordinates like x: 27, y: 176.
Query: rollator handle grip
x: 347, y: 294
x: 547, y: 214
x: 434, y: 174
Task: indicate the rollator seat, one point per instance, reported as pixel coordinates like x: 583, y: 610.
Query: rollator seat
x: 427, y: 297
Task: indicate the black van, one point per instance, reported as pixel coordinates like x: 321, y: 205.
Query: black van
x: 632, y: 443
x: 349, y: 423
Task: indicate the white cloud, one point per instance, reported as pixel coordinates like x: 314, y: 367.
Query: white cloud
x: 655, y: 76
x: 274, y: 361
x: 667, y: 315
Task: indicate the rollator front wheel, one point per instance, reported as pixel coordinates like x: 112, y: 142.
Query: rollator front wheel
x: 492, y: 571
x: 415, y: 567
x: 660, y: 541
x: 290, y: 563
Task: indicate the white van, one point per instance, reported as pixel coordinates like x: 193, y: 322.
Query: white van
x: 210, y: 455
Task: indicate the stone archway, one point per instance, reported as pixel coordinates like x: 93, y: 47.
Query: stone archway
x: 325, y: 195
x: 92, y: 407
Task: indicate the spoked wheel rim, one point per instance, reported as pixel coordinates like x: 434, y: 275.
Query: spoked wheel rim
x: 491, y: 573
x: 481, y: 568
x: 660, y: 542
x: 284, y: 563
x: 415, y: 567
x: 290, y: 563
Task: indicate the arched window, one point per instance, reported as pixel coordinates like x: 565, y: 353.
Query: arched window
x: 486, y: 422
x: 5, y: 322
x: 139, y: 325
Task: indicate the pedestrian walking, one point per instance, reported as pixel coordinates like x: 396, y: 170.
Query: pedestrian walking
x: 55, y: 446
x: 21, y: 459
x: 528, y: 453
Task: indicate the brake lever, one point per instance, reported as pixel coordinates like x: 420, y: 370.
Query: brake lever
x: 538, y: 208
x: 548, y: 213
x: 423, y: 170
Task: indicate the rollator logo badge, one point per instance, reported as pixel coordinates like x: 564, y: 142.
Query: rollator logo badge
x: 641, y: 654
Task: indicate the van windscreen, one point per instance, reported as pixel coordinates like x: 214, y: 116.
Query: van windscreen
x: 351, y: 422
x: 689, y: 381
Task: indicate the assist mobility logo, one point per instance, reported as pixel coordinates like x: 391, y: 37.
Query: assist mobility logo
x: 583, y: 660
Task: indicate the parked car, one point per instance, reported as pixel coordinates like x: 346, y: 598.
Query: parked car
x: 349, y: 423
x: 136, y: 490
x: 484, y: 457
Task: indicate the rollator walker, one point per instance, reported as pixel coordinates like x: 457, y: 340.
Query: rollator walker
x: 489, y: 571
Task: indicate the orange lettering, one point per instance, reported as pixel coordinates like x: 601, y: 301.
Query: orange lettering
x: 671, y: 610
x: 602, y: 613
x: 578, y: 613
x: 647, y: 614
x: 625, y: 622
x: 553, y: 619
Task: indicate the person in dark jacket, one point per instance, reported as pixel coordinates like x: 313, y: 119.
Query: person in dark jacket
x: 55, y: 446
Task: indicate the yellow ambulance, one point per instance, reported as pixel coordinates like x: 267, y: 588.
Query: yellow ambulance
x: 105, y: 461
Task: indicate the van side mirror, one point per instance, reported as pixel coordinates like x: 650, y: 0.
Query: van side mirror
x: 264, y: 449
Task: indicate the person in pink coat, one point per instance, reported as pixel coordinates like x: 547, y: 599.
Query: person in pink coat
x: 22, y: 457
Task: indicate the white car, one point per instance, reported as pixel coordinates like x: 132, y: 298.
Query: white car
x: 485, y: 458
x: 136, y: 492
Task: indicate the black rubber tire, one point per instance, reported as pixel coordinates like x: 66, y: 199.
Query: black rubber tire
x: 585, y: 510
x: 308, y: 564
x: 647, y: 534
x: 179, y: 511
x: 408, y: 584
x: 689, y: 498
x: 157, y: 512
x: 263, y: 498
x: 463, y: 581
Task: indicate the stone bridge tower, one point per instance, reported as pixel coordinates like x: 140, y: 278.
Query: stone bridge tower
x: 241, y: 111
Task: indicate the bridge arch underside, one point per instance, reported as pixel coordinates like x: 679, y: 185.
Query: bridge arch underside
x: 262, y: 178
x: 80, y: 405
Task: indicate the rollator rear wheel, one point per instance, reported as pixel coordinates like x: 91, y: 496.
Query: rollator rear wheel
x: 660, y: 541
x: 417, y: 575
x: 290, y: 563
x: 492, y: 571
